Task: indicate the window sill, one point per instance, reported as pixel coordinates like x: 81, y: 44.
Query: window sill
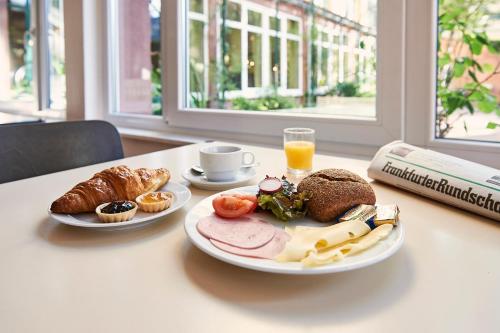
x: 162, y: 137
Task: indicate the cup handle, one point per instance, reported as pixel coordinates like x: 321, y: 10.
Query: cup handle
x: 247, y: 153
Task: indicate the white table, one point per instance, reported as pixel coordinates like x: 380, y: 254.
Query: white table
x: 56, y: 278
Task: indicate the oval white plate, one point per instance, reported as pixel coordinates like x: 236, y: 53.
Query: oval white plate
x: 201, y: 182
x: 380, y: 251
x: 181, y: 197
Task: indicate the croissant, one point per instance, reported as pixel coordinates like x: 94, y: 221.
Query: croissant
x: 116, y: 183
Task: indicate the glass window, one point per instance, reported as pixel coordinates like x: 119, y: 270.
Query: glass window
x: 233, y: 11
x: 323, y: 67
x: 336, y: 39
x: 335, y: 66
x: 254, y: 18
x: 139, y: 64
x: 276, y: 62
x: 232, y: 60
x: 196, y: 6
x: 57, y: 74
x: 292, y: 64
x: 468, y: 73
x: 275, y: 57
x: 254, y: 62
x: 274, y: 23
x: 324, y: 37
x: 347, y: 73
x: 293, y: 27
x: 197, y: 60
x: 16, y: 51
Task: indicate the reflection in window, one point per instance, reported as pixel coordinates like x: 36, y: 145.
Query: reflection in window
x: 196, y: 6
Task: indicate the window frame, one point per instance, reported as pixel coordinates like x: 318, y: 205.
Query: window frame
x: 420, y: 105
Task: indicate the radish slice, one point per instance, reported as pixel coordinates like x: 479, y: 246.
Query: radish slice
x: 270, y: 185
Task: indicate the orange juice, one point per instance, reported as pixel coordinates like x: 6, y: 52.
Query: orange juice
x: 299, y: 154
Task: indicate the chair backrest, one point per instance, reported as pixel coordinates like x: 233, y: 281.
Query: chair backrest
x: 28, y: 150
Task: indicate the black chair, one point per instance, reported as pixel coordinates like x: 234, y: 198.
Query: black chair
x: 28, y: 150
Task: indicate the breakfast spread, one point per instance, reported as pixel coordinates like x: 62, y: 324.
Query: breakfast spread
x: 154, y: 201
x: 334, y: 196
x: 116, y: 211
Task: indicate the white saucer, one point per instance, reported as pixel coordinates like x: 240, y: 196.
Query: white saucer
x: 201, y: 182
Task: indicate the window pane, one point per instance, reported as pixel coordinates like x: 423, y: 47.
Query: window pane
x: 139, y: 64
x: 293, y: 27
x: 197, y: 62
x: 468, y: 75
x: 232, y: 59
x: 275, y: 56
x: 55, y: 20
x: 292, y: 64
x: 196, y: 6
x: 275, y: 23
x: 16, y: 51
x: 233, y: 11
x: 254, y: 18
x: 323, y: 68
x: 254, y: 60
x: 262, y: 84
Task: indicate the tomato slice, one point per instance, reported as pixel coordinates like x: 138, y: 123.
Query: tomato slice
x: 251, y: 197
x: 229, y: 206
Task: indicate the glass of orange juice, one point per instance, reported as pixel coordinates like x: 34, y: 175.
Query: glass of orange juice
x: 299, y: 149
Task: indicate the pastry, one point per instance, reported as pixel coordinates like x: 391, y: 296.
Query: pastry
x: 116, y: 183
x: 154, y: 202
x: 333, y: 191
x: 116, y: 211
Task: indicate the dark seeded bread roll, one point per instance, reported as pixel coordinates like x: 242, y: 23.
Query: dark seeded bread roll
x: 334, y: 191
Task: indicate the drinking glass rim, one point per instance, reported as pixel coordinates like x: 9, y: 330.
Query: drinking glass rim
x: 298, y: 130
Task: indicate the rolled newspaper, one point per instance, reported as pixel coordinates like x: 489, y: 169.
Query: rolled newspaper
x: 445, y: 178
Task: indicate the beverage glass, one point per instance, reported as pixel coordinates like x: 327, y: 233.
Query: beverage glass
x: 299, y: 149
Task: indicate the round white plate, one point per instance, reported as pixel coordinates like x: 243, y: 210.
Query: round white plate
x: 90, y: 220
x: 201, y: 182
x: 380, y: 251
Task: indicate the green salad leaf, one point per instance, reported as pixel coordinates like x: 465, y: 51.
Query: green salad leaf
x: 286, y: 204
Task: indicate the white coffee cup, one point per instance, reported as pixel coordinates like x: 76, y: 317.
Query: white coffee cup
x: 222, y: 163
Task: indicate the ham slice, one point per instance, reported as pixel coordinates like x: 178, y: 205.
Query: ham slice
x: 267, y: 251
x: 243, y: 232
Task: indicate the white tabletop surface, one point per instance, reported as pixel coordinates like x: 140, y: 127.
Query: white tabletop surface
x: 57, y: 278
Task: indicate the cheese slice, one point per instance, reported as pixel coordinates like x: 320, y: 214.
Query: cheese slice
x: 306, y: 240
x: 352, y: 247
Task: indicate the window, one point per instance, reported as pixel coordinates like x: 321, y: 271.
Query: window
x: 32, y: 74
x: 439, y: 80
x: 244, y: 68
x: 137, y: 71
x: 468, y: 71
x: 264, y: 58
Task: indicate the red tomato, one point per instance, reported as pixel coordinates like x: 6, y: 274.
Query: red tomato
x: 229, y: 206
x: 251, y: 197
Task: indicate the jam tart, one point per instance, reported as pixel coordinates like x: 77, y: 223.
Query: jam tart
x: 154, y: 202
x: 116, y: 211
